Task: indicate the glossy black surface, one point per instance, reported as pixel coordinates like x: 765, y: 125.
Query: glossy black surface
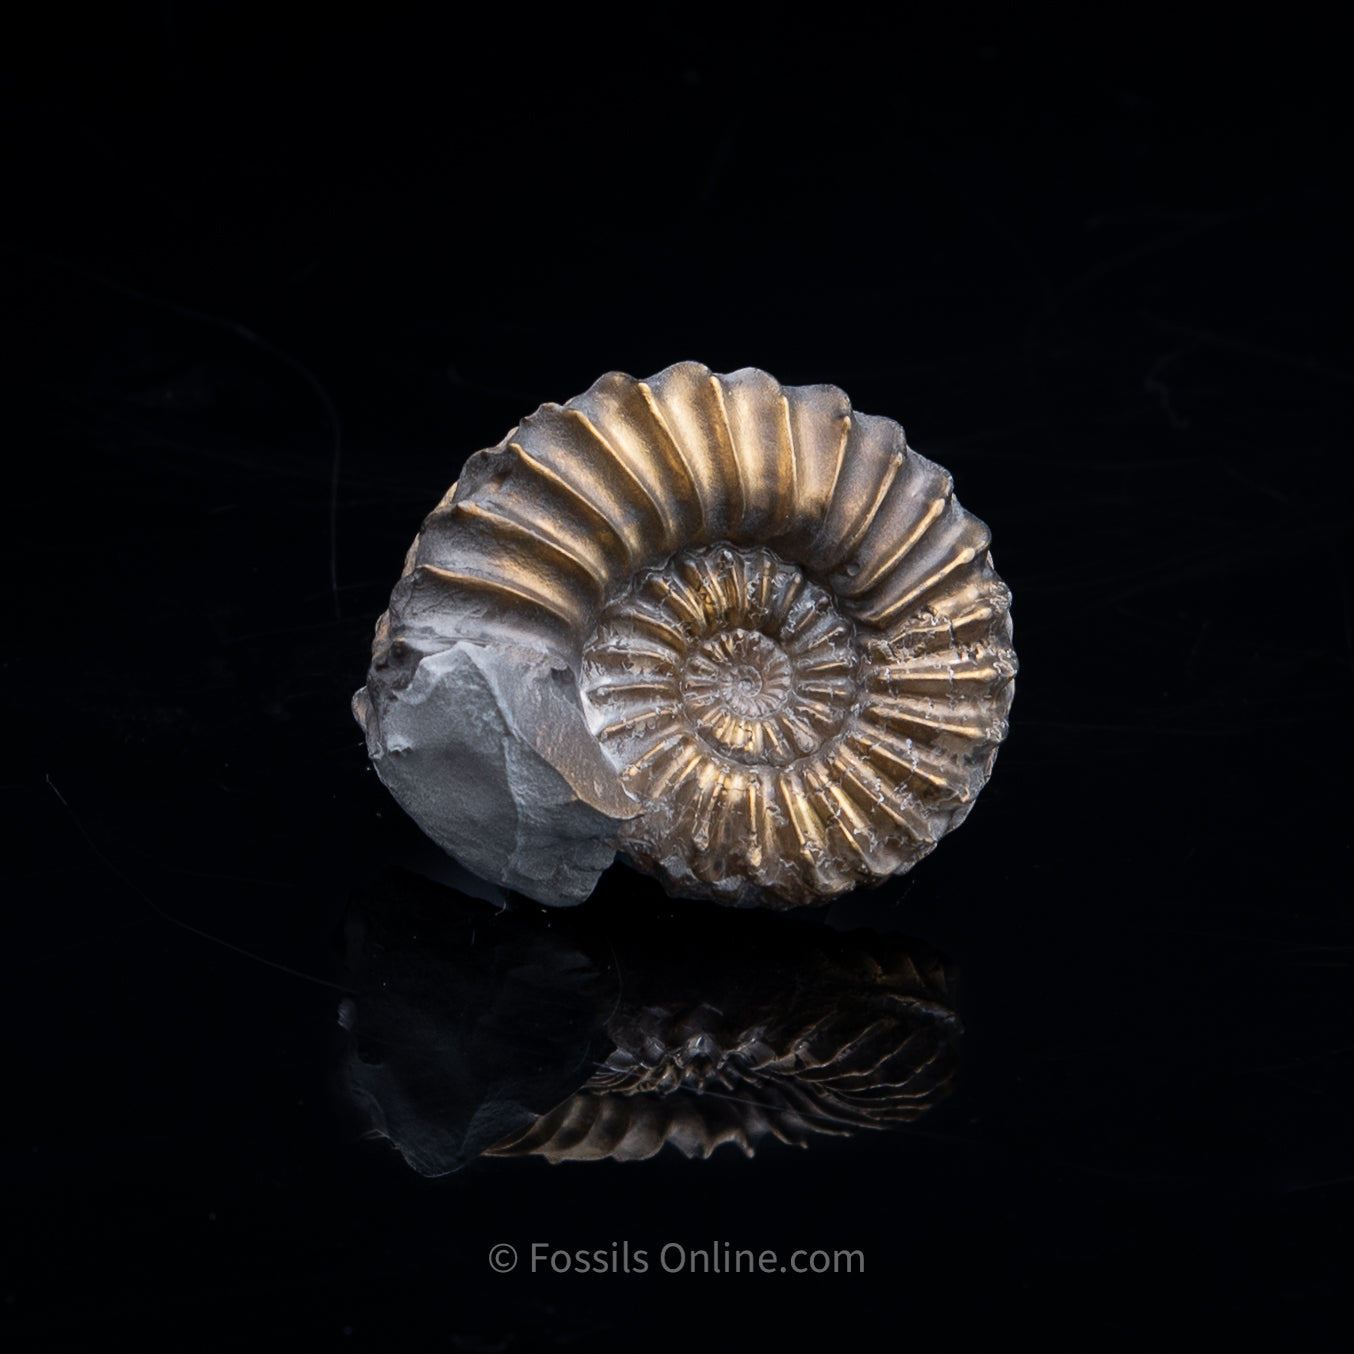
x: 268, y: 282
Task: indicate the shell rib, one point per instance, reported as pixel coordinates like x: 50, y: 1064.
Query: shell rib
x: 737, y: 631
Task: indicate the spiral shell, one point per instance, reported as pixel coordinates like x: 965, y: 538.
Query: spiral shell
x: 737, y: 631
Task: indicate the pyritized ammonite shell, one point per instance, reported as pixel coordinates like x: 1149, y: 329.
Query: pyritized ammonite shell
x: 737, y: 631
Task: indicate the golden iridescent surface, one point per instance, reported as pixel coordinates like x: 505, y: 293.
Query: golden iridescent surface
x: 782, y: 636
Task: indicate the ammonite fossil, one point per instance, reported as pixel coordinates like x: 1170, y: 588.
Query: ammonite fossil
x: 738, y: 632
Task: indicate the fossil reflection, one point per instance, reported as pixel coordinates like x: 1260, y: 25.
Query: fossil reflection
x: 581, y: 1038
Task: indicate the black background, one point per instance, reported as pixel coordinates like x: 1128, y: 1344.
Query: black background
x: 268, y: 279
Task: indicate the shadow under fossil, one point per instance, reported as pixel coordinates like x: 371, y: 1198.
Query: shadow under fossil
x: 478, y: 1031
